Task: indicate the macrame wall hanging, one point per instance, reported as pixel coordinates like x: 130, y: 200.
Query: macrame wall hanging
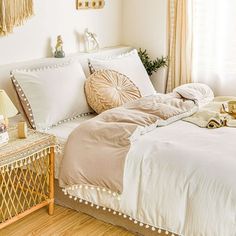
x: 13, y: 13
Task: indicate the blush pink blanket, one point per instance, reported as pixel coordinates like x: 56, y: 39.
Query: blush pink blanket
x: 96, y: 151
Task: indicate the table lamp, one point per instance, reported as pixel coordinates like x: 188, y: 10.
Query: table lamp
x: 7, y: 108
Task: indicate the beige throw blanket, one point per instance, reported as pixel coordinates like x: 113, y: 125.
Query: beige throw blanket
x: 96, y: 151
x: 212, y: 116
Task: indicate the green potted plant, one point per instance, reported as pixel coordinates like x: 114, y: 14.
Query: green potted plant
x: 150, y: 65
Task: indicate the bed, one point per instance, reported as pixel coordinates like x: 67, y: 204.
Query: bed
x: 195, y: 171
x: 184, y: 145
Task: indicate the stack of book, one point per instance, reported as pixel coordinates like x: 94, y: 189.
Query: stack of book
x: 4, y: 137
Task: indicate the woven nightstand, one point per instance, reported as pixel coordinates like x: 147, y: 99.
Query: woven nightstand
x: 26, y: 175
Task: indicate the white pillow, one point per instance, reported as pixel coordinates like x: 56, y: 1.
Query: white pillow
x: 130, y: 65
x: 51, y: 95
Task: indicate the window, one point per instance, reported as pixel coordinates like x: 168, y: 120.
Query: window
x: 214, y: 44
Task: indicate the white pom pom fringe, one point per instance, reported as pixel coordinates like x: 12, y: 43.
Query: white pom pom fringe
x: 141, y: 224
x: 86, y: 187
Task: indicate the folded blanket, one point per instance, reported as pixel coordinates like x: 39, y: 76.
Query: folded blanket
x: 96, y: 151
x: 212, y: 116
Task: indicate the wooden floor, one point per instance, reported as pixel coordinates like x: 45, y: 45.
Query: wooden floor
x: 64, y: 222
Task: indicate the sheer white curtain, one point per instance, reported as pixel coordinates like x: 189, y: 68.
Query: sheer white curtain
x: 214, y: 45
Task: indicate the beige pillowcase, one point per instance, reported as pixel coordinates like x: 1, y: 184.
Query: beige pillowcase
x: 106, y: 89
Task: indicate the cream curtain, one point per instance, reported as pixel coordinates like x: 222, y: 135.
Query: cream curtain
x: 179, y: 43
x: 13, y: 13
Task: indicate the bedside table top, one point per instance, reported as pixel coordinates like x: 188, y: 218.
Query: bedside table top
x: 17, y: 150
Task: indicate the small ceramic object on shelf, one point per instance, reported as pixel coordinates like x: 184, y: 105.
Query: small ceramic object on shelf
x: 91, y: 42
x: 59, y: 53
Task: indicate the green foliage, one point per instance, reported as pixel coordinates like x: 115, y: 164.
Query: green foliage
x: 152, y: 65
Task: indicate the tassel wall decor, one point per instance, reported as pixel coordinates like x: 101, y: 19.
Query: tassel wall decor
x: 13, y: 13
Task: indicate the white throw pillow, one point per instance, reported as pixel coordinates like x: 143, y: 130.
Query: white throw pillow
x: 52, y: 94
x: 130, y: 65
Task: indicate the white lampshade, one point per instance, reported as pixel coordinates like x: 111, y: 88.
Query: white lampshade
x: 7, y: 108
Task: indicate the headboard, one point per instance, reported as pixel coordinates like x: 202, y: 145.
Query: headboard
x: 5, y: 82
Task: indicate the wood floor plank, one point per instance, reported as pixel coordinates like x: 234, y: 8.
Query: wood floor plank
x: 64, y: 222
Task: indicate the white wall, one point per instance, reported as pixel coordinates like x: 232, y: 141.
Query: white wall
x: 129, y: 22
x: 144, y: 25
x: 53, y: 17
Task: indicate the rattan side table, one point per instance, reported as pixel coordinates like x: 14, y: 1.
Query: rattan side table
x: 26, y: 175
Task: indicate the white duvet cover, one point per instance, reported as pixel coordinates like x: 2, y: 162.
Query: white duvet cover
x: 179, y: 178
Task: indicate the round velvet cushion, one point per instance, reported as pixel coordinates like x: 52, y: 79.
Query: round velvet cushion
x: 106, y: 89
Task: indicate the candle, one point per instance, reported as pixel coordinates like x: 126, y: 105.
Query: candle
x: 22, y: 129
